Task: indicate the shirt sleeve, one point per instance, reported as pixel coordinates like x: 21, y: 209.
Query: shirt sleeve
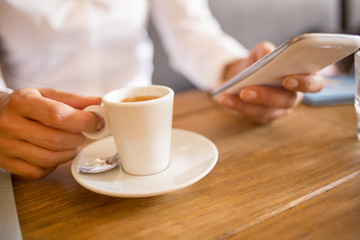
x: 3, y: 88
x: 196, y: 45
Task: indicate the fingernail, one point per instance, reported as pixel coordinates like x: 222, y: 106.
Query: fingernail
x: 291, y: 83
x: 101, y: 122
x: 227, y: 101
x: 248, y: 95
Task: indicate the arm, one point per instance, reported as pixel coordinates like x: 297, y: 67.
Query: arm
x: 200, y: 50
x: 193, y: 39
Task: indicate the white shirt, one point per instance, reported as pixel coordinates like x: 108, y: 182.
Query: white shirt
x: 93, y: 46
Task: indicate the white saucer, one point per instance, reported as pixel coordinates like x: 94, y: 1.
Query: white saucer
x: 193, y: 156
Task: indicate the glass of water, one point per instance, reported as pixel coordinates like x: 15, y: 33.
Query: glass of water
x: 357, y: 85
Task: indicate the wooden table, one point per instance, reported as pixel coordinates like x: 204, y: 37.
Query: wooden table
x: 296, y: 178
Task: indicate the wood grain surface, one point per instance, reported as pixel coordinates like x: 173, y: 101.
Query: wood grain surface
x: 296, y: 178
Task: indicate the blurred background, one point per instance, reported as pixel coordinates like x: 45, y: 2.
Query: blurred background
x: 251, y: 22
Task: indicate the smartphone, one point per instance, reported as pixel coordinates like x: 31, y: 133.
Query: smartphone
x: 306, y: 53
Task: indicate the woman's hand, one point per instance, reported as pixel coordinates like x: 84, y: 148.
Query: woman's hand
x: 264, y: 104
x: 41, y: 129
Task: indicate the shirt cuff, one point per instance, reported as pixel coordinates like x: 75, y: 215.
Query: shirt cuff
x: 5, y: 90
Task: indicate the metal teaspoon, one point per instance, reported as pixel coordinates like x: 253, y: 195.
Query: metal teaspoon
x: 98, y: 165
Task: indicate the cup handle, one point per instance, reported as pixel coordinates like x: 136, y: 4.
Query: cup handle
x: 105, y: 131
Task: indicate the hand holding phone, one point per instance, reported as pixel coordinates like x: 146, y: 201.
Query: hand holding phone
x: 304, y: 54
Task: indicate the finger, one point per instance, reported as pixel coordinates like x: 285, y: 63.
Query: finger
x: 35, y: 155
x: 45, y: 136
x: 24, y: 168
x: 269, y: 96
x: 256, y: 113
x: 263, y: 49
x: 39, y: 134
x: 256, y: 53
x: 33, y: 105
x: 73, y: 100
x: 239, y: 65
x: 304, y: 83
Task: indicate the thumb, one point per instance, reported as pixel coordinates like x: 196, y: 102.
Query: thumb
x: 261, y: 50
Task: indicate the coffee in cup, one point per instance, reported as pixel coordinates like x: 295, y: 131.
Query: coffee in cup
x: 139, y: 98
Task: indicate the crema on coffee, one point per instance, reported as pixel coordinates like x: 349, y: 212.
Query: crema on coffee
x: 139, y: 98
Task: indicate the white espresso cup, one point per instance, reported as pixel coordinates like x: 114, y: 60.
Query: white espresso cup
x: 141, y: 129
